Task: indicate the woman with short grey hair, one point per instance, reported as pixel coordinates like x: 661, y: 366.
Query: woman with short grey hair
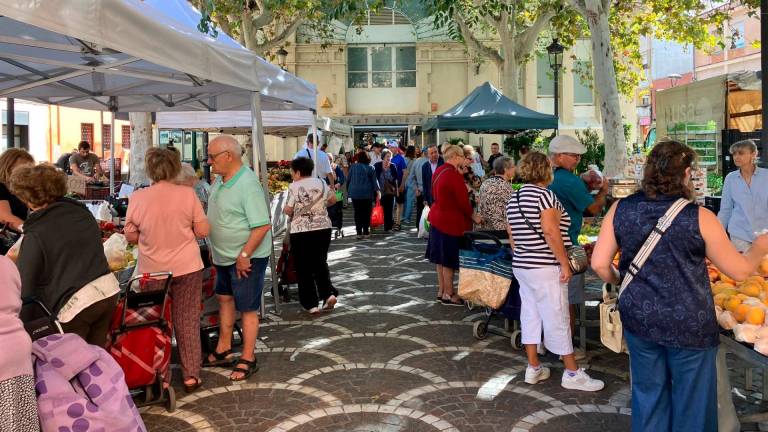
x: 744, y: 206
x: 495, y: 192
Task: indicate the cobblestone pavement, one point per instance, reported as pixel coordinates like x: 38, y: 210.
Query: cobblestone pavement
x: 389, y: 358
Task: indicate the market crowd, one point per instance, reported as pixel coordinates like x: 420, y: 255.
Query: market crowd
x: 673, y: 344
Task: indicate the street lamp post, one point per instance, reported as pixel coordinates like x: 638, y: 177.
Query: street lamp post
x: 555, y: 51
x: 282, y: 55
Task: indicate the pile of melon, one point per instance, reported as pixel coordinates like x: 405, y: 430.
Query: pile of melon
x: 742, y: 306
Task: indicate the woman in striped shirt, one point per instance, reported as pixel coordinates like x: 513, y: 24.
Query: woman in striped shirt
x: 538, y: 230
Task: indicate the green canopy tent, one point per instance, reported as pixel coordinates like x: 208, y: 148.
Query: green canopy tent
x: 486, y: 110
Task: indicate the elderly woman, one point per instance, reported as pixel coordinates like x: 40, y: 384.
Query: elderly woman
x: 387, y: 176
x: 13, y: 211
x: 62, y: 260
x: 495, y: 192
x: 363, y: 189
x: 168, y: 242
x: 672, y: 345
x: 17, y: 383
x: 450, y: 216
x: 744, y: 207
x: 471, y: 178
x: 308, y: 199
x: 538, y: 230
x: 188, y: 177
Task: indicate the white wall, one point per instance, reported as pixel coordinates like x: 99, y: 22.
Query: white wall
x: 383, y: 100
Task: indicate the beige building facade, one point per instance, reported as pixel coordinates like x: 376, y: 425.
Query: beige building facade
x: 397, y: 72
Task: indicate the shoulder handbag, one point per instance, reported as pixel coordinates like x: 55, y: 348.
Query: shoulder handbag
x: 577, y: 256
x: 611, y: 328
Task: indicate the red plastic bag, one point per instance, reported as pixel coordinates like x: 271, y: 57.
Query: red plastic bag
x: 377, y: 215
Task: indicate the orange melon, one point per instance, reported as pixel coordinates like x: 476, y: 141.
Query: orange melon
x: 756, y: 315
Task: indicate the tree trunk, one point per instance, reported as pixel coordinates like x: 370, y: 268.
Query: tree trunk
x: 607, y: 89
x: 141, y: 141
x: 509, y: 73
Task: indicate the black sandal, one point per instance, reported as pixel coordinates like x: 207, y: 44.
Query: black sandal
x: 189, y: 388
x: 221, y: 359
x: 251, y: 367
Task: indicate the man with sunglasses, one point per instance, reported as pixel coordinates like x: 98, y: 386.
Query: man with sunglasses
x: 565, y: 152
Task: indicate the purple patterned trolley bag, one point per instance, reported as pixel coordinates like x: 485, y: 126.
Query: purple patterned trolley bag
x: 80, y: 387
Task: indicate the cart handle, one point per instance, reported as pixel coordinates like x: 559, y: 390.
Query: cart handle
x: 473, y: 236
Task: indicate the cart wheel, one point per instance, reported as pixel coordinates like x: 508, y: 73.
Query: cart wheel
x: 480, y: 330
x: 517, y: 340
x: 170, y: 403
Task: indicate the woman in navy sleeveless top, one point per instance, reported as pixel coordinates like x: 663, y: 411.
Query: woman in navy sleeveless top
x: 667, y: 309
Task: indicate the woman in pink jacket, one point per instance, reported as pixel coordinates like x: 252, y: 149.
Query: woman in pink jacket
x: 17, y: 384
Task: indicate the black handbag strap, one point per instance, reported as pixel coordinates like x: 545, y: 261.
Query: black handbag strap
x: 527, y: 222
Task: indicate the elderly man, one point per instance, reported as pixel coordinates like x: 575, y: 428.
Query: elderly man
x: 429, y: 168
x: 85, y: 164
x: 323, y: 169
x: 241, y: 242
x: 565, y: 152
x: 415, y: 182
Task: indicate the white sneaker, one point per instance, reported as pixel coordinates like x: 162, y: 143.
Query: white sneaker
x: 329, y: 303
x: 581, y: 381
x: 533, y: 375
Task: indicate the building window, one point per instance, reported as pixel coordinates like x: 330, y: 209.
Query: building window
x: 357, y: 67
x: 106, y: 137
x: 126, y: 134
x: 737, y: 35
x: 582, y: 88
x: 381, y: 67
x: 86, y: 133
x: 406, y: 66
x: 545, y: 83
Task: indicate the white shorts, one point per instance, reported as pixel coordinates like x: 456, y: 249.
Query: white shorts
x: 544, y: 306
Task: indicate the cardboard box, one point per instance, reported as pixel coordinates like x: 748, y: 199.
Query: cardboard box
x: 76, y: 185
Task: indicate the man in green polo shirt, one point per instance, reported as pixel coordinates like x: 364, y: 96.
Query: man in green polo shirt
x: 241, y: 242
x: 565, y: 152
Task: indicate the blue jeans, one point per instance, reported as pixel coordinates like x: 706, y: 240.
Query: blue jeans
x: 673, y: 389
x: 410, y: 197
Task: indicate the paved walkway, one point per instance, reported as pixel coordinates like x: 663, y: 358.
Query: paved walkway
x: 389, y: 358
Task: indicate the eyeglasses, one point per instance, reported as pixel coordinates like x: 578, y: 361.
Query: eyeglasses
x: 215, y: 155
x: 573, y: 155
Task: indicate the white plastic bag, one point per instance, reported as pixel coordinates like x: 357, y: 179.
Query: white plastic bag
x: 114, y: 249
x: 13, y: 252
x: 424, y: 223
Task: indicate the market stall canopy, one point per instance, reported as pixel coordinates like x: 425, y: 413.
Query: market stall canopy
x: 486, y: 110
x: 132, y: 56
x: 279, y: 123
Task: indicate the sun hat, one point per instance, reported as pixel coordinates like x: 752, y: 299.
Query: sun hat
x: 566, y: 144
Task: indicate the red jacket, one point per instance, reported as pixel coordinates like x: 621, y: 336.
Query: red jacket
x: 451, y: 212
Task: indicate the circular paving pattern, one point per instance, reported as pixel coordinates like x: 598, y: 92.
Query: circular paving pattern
x: 390, y: 358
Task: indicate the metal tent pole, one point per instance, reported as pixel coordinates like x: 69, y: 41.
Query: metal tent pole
x: 257, y: 140
x: 764, y: 70
x: 438, y: 139
x: 111, y: 155
x: 315, y: 142
x: 11, y: 122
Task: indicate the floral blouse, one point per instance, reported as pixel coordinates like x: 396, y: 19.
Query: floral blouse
x: 495, y: 192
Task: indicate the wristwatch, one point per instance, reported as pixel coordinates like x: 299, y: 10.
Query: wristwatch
x: 243, y: 255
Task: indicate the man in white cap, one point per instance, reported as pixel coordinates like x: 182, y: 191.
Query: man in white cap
x: 565, y: 152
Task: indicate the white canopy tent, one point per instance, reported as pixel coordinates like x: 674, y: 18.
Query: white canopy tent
x: 138, y: 56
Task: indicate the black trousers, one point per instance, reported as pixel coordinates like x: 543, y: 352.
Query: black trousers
x: 388, y: 203
x: 363, y: 209
x: 310, y: 252
x: 92, y: 324
x: 419, y: 208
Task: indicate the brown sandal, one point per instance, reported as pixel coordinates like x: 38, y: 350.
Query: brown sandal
x: 189, y: 388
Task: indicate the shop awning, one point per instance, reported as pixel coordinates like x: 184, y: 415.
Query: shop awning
x: 486, y: 110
